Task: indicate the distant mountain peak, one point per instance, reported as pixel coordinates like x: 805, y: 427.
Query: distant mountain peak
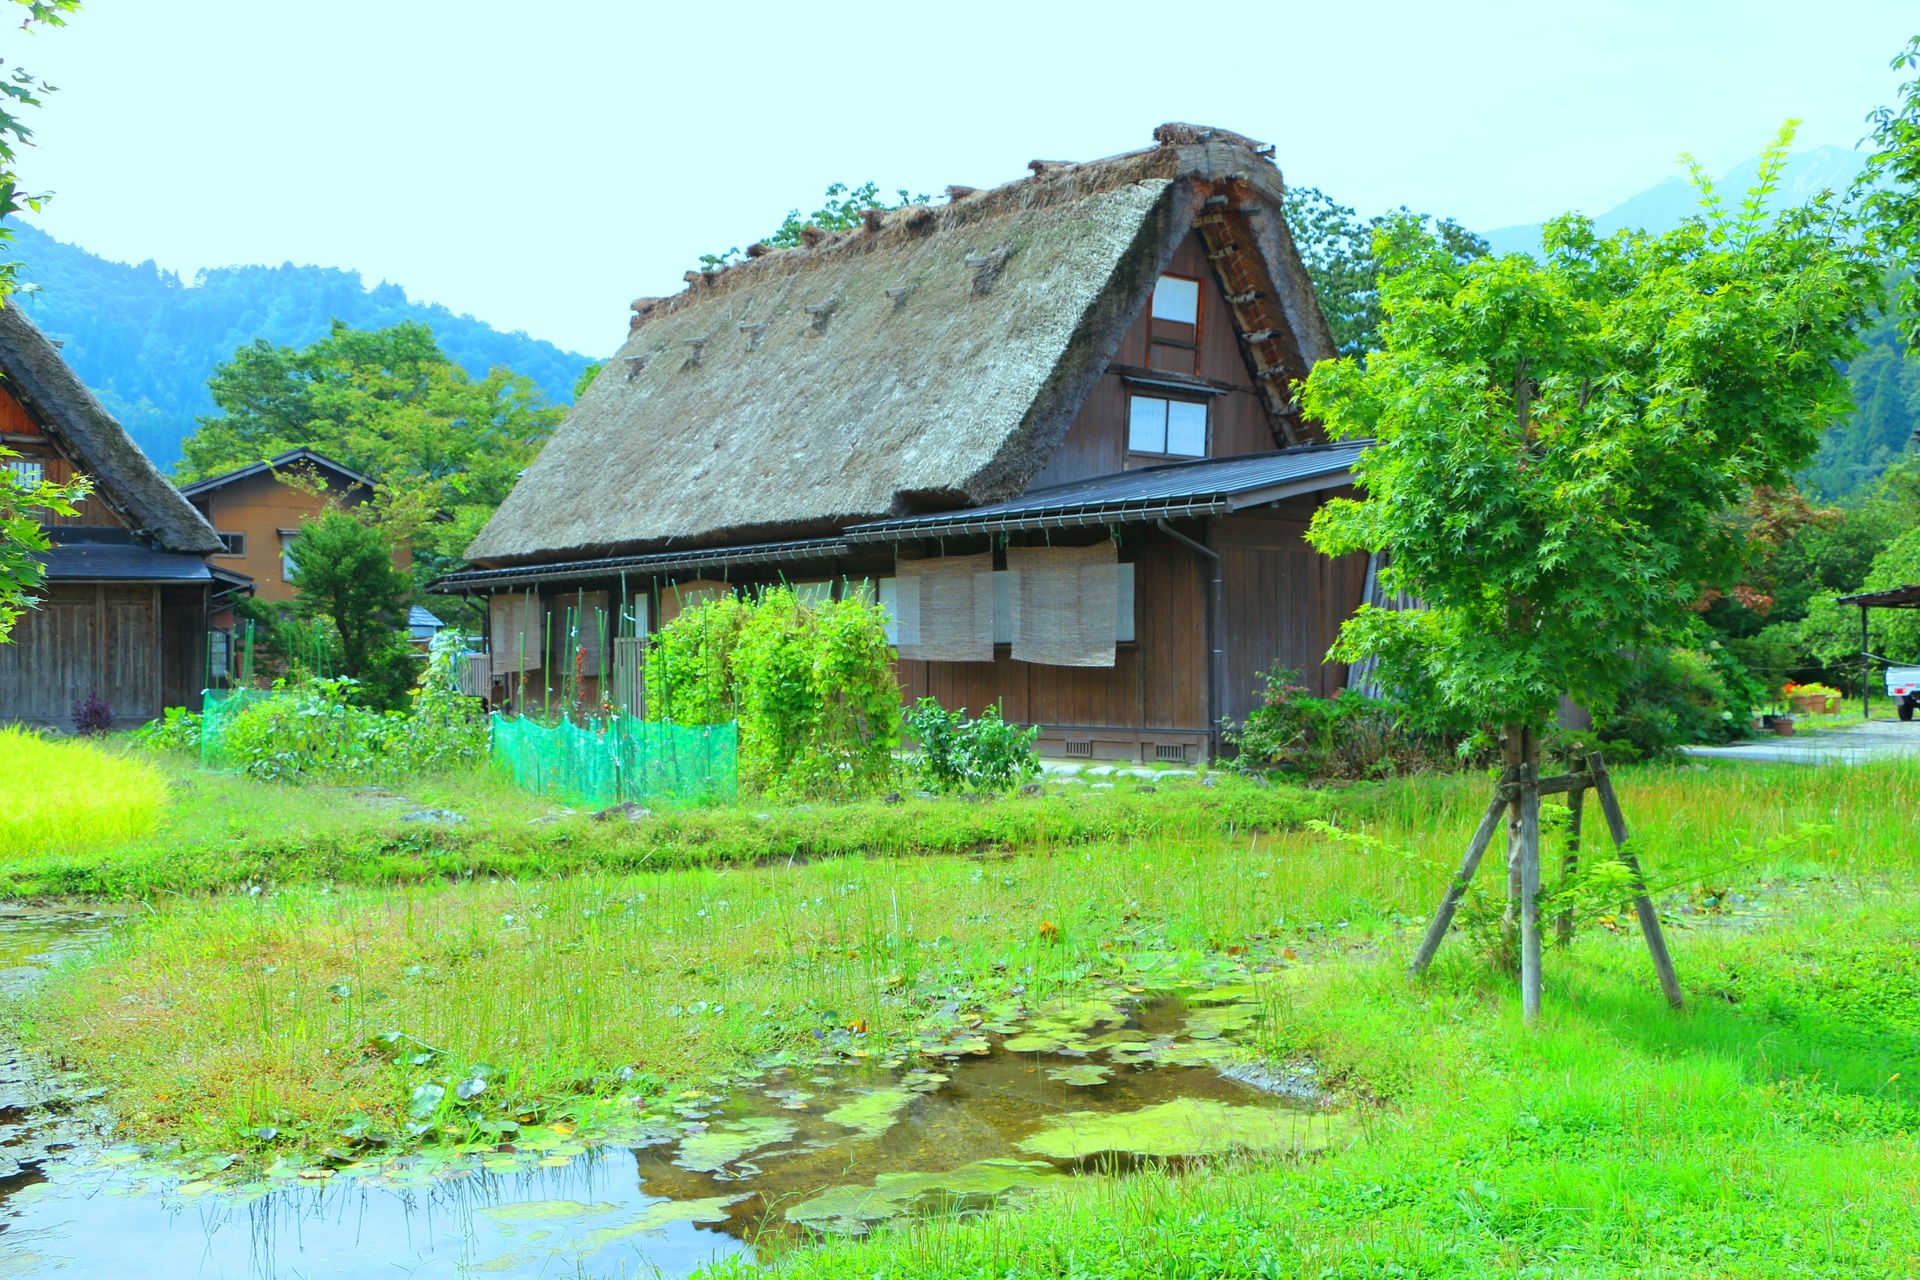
x: 1662, y: 206
x: 146, y: 341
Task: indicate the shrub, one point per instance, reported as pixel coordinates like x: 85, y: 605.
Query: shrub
x: 810, y: 683
x: 177, y: 730
x: 689, y: 672
x: 1677, y: 696
x: 318, y: 729
x: 92, y: 715
x: 63, y: 796
x: 958, y: 754
x: 1345, y: 736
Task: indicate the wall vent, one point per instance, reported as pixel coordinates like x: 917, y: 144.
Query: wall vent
x: 1177, y: 751
x: 1080, y: 749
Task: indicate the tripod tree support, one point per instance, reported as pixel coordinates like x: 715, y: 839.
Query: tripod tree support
x: 1521, y: 785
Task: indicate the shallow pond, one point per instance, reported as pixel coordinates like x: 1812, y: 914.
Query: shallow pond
x: 794, y: 1150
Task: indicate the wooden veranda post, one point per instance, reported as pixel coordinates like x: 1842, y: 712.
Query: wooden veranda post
x: 1519, y: 789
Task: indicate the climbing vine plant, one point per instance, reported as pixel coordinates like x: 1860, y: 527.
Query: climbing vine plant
x: 810, y: 683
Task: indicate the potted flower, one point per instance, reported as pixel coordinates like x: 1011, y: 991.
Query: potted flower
x: 1811, y: 699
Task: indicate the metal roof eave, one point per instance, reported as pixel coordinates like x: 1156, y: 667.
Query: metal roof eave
x: 470, y: 581
x: 1095, y: 512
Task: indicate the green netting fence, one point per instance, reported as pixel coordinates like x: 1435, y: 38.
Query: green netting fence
x: 217, y: 712
x: 619, y: 758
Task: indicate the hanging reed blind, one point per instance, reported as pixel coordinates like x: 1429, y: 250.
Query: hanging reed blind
x: 943, y: 608
x: 513, y: 632
x: 1065, y: 603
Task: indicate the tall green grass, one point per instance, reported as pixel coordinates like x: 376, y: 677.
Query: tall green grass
x: 72, y: 796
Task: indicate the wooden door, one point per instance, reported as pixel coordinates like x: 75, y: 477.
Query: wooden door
x: 129, y: 676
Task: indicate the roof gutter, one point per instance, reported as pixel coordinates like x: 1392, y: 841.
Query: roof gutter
x: 1171, y: 509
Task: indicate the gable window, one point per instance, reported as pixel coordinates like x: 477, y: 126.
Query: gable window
x: 27, y: 475
x: 1167, y: 428
x: 288, y: 566
x: 1177, y: 299
x: 1173, y: 326
x: 232, y: 544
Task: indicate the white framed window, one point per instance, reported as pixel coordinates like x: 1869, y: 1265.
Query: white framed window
x: 27, y: 475
x: 1172, y: 428
x: 1177, y: 298
x: 288, y: 567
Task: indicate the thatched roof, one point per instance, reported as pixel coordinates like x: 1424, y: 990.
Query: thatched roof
x: 930, y: 360
x: 125, y: 479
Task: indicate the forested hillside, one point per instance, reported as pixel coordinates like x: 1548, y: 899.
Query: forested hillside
x: 146, y: 341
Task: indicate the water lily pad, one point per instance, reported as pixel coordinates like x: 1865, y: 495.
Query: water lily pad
x: 1183, y: 1127
x: 714, y: 1150
x: 872, y: 1113
x: 853, y: 1209
x: 654, y: 1220
x: 1083, y: 1075
x: 425, y: 1099
x: 1195, y: 1053
x: 545, y: 1211
x: 1210, y: 1024
x: 1035, y: 1042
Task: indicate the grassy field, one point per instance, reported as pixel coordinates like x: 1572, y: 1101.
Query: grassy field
x: 64, y: 796
x: 222, y: 832
x: 1768, y: 1130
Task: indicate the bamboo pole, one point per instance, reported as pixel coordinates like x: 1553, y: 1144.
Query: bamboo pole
x: 1642, y: 903
x: 1570, y: 864
x: 1443, y: 917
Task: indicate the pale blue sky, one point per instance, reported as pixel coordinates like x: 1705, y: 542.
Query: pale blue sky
x: 540, y: 165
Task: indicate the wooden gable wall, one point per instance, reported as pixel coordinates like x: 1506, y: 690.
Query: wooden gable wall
x: 20, y: 433
x: 1096, y: 443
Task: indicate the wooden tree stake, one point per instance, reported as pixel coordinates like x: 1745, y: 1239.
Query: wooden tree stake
x: 1530, y: 882
x: 1520, y: 787
x: 1642, y: 904
x: 1442, y: 918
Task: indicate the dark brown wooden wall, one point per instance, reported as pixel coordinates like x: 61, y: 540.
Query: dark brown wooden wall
x: 1096, y: 443
x: 86, y: 638
x: 19, y: 432
x: 1284, y: 601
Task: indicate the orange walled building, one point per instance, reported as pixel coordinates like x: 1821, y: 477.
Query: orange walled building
x: 256, y: 512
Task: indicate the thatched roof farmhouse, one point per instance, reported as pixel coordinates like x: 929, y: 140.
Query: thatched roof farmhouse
x: 1098, y: 355
x: 125, y: 602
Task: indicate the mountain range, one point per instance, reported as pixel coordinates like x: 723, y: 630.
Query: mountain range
x: 146, y: 340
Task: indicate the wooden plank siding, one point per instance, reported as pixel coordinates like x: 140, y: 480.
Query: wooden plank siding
x: 1284, y: 601
x: 127, y: 642
x: 1155, y: 693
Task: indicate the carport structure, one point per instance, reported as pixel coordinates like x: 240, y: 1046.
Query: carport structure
x: 1907, y: 597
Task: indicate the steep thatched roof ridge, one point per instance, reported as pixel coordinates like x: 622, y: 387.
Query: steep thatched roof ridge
x: 932, y: 359
x: 125, y: 479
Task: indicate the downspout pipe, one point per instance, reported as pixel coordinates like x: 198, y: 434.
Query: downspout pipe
x: 1216, y: 634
